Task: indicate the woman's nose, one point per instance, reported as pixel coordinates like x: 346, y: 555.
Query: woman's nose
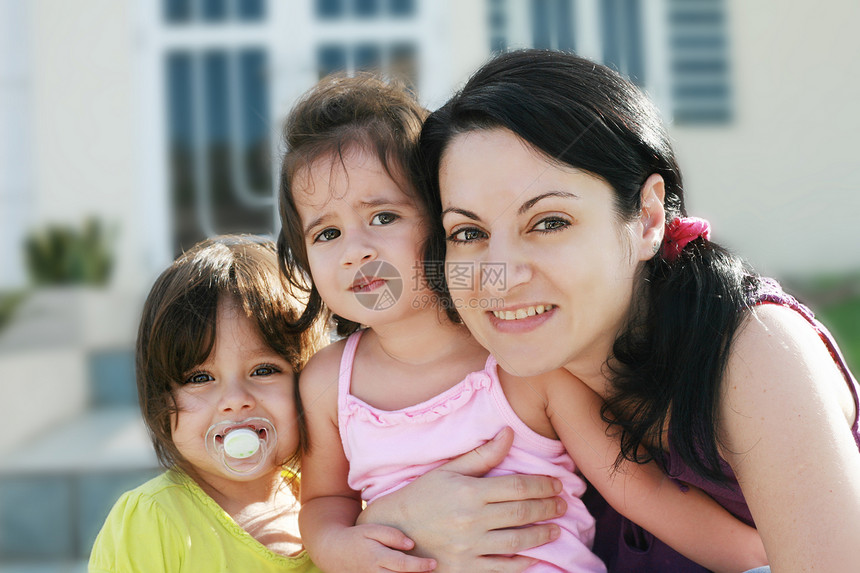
x: 506, y: 267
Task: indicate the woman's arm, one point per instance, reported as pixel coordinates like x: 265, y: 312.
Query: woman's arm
x: 785, y: 420
x: 688, y: 521
x: 329, y: 506
x: 464, y: 521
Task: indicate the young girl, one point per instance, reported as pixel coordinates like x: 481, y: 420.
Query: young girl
x: 216, y: 369
x: 414, y: 389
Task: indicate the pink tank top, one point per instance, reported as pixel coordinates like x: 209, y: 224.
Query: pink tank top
x: 388, y: 449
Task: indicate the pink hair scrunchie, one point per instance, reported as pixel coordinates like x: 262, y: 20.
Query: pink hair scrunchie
x: 681, y: 231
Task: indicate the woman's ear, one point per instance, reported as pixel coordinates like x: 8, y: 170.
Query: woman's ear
x: 652, y: 217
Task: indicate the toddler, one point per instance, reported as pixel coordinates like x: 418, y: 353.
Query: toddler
x: 216, y: 378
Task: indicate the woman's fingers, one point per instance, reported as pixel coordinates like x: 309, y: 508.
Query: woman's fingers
x: 519, y: 487
x: 502, y: 564
x: 485, y: 457
x: 525, y: 512
x: 510, y: 541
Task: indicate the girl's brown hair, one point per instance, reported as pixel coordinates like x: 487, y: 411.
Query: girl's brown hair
x: 177, y: 329
x: 342, y: 114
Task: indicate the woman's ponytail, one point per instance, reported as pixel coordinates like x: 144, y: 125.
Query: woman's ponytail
x: 669, y: 364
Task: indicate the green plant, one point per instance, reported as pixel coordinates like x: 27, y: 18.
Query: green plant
x: 63, y: 255
x: 843, y: 320
x: 9, y: 302
x: 835, y: 299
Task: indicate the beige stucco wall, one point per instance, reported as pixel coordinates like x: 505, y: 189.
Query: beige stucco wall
x: 781, y: 184
x: 83, y: 110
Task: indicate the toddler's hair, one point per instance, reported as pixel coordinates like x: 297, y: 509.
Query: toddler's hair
x: 177, y: 328
x: 340, y: 115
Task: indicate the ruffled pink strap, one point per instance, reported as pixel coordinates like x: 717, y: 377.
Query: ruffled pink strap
x: 681, y: 231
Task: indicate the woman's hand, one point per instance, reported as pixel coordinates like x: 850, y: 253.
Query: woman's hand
x: 464, y: 521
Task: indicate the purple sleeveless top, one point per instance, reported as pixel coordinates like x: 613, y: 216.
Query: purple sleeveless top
x: 625, y: 546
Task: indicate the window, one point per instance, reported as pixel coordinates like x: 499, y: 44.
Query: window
x: 401, y: 8
x: 699, y: 62
x: 497, y: 23
x: 218, y: 123
x: 364, y: 9
x: 552, y: 24
x: 212, y: 11
x: 398, y: 58
x: 331, y: 59
x: 622, y: 38
x: 688, y: 75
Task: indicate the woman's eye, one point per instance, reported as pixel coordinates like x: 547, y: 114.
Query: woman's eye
x: 199, y: 378
x: 383, y: 219
x: 327, y: 235
x: 265, y: 370
x: 551, y: 224
x: 467, y: 235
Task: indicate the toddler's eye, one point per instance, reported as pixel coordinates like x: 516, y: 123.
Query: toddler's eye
x: 199, y: 378
x: 265, y: 370
x: 467, y: 235
x: 383, y: 218
x: 551, y: 224
x: 327, y: 235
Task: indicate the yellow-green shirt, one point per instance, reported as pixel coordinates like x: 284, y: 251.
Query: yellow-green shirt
x: 170, y: 524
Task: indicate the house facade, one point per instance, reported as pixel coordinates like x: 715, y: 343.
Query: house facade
x: 163, y: 117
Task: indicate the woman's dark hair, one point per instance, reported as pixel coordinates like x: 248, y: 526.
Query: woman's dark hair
x: 669, y: 361
x: 177, y: 327
x: 340, y: 115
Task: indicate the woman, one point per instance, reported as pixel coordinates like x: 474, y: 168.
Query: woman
x: 560, y: 171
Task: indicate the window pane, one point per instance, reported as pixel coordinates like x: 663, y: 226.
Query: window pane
x: 401, y: 7
x: 216, y: 142
x: 701, y: 92
x: 404, y: 63
x: 214, y: 10
x: 177, y: 11
x: 368, y: 56
x: 229, y: 181
x: 250, y: 10
x: 498, y: 23
x: 366, y: 8
x: 330, y: 59
x: 329, y: 9
x: 635, y: 48
x: 216, y: 91
x: 540, y: 24
x: 622, y: 38
x: 180, y: 131
x: 565, y: 25
x: 253, y: 77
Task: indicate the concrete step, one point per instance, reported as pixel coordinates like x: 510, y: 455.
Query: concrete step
x: 57, y: 489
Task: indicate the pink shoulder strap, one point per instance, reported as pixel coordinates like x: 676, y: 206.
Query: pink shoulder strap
x: 344, y: 378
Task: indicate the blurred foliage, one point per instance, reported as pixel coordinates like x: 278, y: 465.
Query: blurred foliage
x: 843, y: 320
x: 9, y: 302
x: 62, y: 255
x: 835, y: 300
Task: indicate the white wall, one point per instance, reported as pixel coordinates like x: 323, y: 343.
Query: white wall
x: 16, y: 197
x: 781, y: 183
x: 82, y: 119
